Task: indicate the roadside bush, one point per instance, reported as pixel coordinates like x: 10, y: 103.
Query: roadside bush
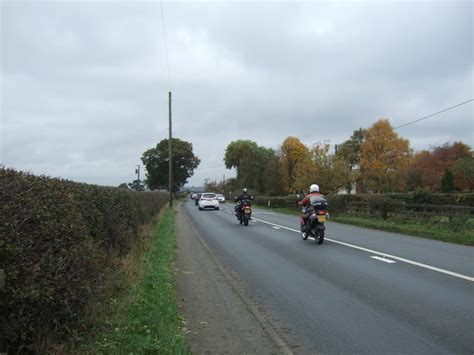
x: 382, y: 204
x: 465, y: 199
x: 273, y: 201
x: 58, y: 239
x: 337, y: 203
x: 426, y: 197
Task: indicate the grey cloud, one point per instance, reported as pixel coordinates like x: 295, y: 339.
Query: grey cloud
x: 85, y: 83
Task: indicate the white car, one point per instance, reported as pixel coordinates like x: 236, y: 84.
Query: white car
x: 208, y: 200
x: 220, y: 198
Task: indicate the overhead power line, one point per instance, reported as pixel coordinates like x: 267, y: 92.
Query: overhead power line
x: 166, y: 43
x: 434, y: 114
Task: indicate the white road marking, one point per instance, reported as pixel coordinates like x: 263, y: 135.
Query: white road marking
x: 408, y: 261
x: 385, y: 260
x: 276, y: 227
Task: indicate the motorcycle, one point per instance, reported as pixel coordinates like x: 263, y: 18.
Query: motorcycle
x: 243, y: 211
x: 312, y: 220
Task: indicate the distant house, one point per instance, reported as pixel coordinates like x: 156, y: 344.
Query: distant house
x: 354, y: 187
x: 344, y: 191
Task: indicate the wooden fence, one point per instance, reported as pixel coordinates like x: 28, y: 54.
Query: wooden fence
x: 418, y: 211
x: 393, y: 208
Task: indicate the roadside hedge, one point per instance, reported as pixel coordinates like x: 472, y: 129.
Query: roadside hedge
x: 58, y: 239
x: 381, y: 202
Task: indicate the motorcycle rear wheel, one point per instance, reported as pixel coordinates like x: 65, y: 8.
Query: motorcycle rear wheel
x: 246, y: 221
x: 304, y: 235
x: 319, y: 238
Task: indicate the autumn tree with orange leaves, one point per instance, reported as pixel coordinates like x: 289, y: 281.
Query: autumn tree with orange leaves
x: 304, y: 174
x: 294, y: 156
x: 385, y: 158
x: 332, y: 172
x: 429, y: 166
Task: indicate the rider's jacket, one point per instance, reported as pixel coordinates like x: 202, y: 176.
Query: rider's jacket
x: 310, y: 198
x: 243, y: 197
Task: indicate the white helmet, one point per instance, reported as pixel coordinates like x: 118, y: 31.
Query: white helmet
x: 314, y: 188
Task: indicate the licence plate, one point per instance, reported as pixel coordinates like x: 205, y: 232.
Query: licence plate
x: 321, y: 219
x: 247, y: 210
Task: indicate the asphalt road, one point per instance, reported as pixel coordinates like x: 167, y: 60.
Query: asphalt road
x: 362, y: 291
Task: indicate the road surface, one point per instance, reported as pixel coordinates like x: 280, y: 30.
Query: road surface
x: 362, y: 291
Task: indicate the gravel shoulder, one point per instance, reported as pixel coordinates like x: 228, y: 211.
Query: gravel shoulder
x: 219, y: 318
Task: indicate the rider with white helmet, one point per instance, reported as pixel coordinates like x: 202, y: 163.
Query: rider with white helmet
x: 309, y: 198
x: 313, y: 192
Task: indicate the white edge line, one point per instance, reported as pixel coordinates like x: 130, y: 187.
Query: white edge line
x: 433, y: 268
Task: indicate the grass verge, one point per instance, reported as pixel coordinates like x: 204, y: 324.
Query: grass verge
x: 460, y: 232
x: 144, y: 318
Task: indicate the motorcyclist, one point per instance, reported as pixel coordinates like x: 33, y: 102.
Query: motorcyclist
x: 244, y: 196
x: 308, y: 199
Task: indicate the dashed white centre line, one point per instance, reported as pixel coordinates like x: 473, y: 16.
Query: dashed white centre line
x: 385, y: 260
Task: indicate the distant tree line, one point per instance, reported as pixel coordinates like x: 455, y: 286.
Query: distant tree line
x: 375, y: 160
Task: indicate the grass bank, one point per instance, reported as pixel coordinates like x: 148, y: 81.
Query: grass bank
x: 143, y: 318
x: 461, y: 231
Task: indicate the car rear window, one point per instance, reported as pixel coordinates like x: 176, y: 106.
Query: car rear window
x: 209, y: 195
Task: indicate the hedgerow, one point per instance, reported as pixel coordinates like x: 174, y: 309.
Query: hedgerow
x: 58, y: 239
x: 381, y: 202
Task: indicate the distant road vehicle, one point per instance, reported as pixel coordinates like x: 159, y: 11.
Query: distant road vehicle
x: 208, y: 200
x: 220, y: 198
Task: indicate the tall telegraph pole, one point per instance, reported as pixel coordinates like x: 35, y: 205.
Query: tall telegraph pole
x: 170, y: 157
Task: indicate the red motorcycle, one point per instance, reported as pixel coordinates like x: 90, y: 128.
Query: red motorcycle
x: 243, y: 211
x: 313, y: 218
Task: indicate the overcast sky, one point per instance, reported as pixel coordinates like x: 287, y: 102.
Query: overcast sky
x: 84, y: 84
